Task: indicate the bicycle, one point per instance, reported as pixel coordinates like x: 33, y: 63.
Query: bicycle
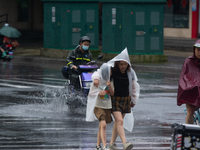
x: 196, y: 116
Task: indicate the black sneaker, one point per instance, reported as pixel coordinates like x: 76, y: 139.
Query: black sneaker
x: 98, y: 147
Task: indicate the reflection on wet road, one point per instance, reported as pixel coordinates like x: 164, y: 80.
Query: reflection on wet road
x: 34, y: 114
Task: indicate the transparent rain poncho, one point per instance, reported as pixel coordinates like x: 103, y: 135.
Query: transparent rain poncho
x: 134, y: 88
x: 103, y: 75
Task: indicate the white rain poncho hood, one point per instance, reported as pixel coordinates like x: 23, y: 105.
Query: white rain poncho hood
x: 104, y: 75
x: 123, y: 56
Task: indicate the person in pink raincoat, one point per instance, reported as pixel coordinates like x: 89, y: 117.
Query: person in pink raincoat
x: 189, y: 83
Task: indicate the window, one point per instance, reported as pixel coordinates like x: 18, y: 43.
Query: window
x: 176, y: 14
x: 76, y: 16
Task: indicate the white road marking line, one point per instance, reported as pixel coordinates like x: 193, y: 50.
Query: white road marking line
x: 16, y: 86
x: 64, y: 80
x: 31, y: 83
x: 38, y: 80
x: 68, y: 147
x: 152, y: 148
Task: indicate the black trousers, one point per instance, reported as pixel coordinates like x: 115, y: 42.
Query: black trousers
x: 74, y: 79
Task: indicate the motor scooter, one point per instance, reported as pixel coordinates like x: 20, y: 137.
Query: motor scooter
x: 8, y: 48
x: 79, y: 97
x: 8, y: 57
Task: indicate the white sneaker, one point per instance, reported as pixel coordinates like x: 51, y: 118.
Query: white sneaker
x: 105, y: 148
x: 113, y: 146
x: 128, y: 146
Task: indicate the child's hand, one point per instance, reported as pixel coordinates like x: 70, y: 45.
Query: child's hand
x: 96, y: 82
x: 108, y: 83
x: 102, y: 93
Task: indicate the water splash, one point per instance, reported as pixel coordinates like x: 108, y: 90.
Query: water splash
x: 58, y: 98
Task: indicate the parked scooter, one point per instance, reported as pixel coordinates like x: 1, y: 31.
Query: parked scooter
x: 79, y: 98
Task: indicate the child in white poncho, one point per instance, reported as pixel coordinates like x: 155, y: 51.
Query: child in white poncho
x: 99, y: 104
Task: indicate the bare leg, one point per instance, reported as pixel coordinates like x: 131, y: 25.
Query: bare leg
x: 103, y: 132
x: 99, y: 136
x: 189, y: 117
x: 118, y: 128
x: 114, y: 132
x: 190, y: 112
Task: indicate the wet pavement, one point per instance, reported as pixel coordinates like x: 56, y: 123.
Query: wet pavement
x: 34, y: 114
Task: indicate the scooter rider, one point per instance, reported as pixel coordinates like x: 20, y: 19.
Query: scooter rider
x: 79, y: 56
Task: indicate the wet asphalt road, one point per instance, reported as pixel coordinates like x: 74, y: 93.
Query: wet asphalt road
x: 34, y: 114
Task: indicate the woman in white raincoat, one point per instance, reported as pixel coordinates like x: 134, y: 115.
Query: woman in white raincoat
x: 125, y: 96
x: 99, y: 104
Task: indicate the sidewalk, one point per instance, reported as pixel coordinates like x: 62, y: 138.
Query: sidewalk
x: 174, y: 64
x: 178, y: 44
x: 176, y: 49
x: 31, y: 44
x: 178, y: 53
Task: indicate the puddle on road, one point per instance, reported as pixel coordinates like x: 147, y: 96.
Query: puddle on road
x: 158, y: 94
x: 47, y: 103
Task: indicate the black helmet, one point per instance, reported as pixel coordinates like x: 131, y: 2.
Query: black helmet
x: 84, y: 38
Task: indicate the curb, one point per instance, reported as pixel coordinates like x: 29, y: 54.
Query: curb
x: 151, y: 67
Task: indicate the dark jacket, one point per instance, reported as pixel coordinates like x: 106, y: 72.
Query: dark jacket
x: 80, y: 58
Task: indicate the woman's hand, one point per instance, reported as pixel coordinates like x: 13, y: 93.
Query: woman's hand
x: 132, y: 105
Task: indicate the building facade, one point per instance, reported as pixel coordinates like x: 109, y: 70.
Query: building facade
x: 181, y: 17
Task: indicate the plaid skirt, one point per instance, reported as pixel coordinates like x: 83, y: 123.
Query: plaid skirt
x: 121, y: 104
